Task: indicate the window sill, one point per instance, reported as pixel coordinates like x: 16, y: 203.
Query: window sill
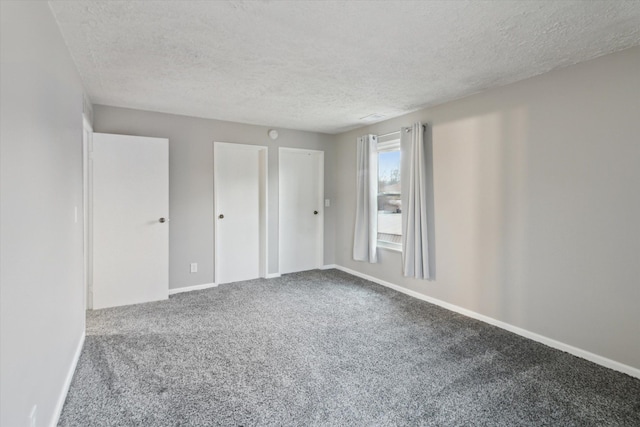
x: 390, y: 246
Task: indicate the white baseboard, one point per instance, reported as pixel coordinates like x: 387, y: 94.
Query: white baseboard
x: 329, y: 267
x: 67, y: 382
x: 584, y: 354
x: 192, y: 288
x: 208, y: 285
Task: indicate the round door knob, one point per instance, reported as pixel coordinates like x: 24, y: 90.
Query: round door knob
x: 315, y: 212
x: 162, y: 220
x: 221, y: 216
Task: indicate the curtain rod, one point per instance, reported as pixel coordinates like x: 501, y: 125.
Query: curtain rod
x: 388, y: 134
x: 408, y: 129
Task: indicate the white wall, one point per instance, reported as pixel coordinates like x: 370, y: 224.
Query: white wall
x: 537, y: 205
x: 191, y: 180
x: 41, y: 304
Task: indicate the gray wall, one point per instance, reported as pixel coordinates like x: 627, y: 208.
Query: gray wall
x: 41, y: 304
x: 191, y: 180
x: 537, y: 205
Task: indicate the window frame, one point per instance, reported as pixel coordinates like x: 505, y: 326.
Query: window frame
x: 392, y: 144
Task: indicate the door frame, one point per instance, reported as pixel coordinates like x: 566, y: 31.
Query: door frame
x: 320, y: 243
x: 87, y: 223
x: 263, y: 203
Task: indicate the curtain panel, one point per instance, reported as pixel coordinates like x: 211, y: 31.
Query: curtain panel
x: 366, y: 227
x: 415, y: 242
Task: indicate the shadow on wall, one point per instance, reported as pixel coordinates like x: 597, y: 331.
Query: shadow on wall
x: 481, y: 173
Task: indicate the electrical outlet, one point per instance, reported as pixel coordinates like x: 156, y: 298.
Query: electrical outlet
x: 33, y: 416
x: 194, y: 267
x: 327, y: 203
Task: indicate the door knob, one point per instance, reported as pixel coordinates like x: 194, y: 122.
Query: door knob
x: 221, y: 216
x: 162, y: 220
x: 315, y: 212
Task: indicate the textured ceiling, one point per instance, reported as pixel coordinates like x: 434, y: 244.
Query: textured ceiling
x: 321, y: 66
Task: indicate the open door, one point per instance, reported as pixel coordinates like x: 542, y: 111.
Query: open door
x: 130, y: 219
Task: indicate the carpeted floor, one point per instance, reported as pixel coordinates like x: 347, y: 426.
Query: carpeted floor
x: 326, y: 348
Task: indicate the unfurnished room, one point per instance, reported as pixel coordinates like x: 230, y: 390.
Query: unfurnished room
x: 319, y: 213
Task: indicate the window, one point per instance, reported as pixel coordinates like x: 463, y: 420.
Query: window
x: 389, y: 203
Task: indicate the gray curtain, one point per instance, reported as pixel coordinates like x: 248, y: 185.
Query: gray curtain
x: 366, y: 227
x: 415, y: 242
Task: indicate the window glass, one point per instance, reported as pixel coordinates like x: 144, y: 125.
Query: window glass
x: 389, y: 203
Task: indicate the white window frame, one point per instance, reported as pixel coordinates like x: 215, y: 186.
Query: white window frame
x: 382, y: 147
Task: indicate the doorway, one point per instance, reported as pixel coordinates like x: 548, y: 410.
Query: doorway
x: 301, y: 194
x: 240, y: 212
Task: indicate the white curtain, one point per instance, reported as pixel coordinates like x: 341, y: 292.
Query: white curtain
x: 415, y: 244
x: 366, y: 228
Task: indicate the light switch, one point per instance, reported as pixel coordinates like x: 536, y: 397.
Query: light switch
x: 327, y: 203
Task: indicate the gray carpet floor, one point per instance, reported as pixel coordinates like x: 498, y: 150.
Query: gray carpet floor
x: 324, y: 348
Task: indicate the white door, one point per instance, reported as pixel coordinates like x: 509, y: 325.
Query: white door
x: 301, y: 195
x: 239, y: 186
x: 130, y: 214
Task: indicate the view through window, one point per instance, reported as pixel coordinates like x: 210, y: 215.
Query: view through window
x: 389, y: 203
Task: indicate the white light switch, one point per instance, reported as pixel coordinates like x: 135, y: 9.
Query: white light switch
x: 327, y: 203
x: 194, y: 267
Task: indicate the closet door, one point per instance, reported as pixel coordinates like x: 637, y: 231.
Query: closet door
x: 239, y: 183
x: 301, y: 185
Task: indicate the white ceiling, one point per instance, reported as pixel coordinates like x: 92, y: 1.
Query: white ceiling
x: 323, y: 65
